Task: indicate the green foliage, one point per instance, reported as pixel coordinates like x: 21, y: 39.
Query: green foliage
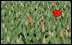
x: 15, y: 13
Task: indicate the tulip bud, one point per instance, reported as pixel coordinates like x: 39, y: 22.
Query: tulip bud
x: 12, y: 1
x: 46, y: 15
x: 52, y: 3
x: 66, y: 33
x: 21, y: 4
x: 38, y: 22
x: 68, y: 27
x: 69, y: 34
x: 26, y: 5
x: 8, y: 39
x: 16, y: 15
x: 42, y: 9
x: 45, y: 12
x: 3, y: 25
x: 30, y: 19
x: 52, y: 34
x: 12, y: 8
x: 17, y: 41
x: 26, y: 23
x: 61, y: 33
x: 63, y: 14
x: 5, y: 30
x: 55, y: 7
x: 62, y: 1
x: 12, y: 21
x: 42, y: 25
x: 64, y: 6
x: 42, y: 17
x: 6, y: 6
x: 28, y: 15
x: 31, y: 8
x: 19, y: 1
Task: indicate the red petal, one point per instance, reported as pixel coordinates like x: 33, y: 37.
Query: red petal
x: 56, y: 13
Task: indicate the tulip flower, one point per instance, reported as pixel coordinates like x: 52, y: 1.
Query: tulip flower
x: 30, y: 19
x: 42, y: 25
x: 56, y: 13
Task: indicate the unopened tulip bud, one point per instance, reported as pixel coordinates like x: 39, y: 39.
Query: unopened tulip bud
x: 3, y: 25
x: 31, y: 8
x: 55, y: 7
x: 63, y: 14
x: 42, y: 17
x: 12, y: 1
x: 52, y: 3
x: 21, y: 4
x: 5, y: 30
x: 66, y: 33
x: 61, y: 33
x: 38, y: 22
x: 9, y: 13
x: 26, y: 23
x: 6, y: 6
x: 46, y: 15
x: 30, y: 19
x: 42, y: 25
x: 28, y: 14
x: 64, y: 6
x: 8, y: 39
x: 12, y: 8
x: 12, y: 21
x: 69, y: 34
x: 42, y: 9
x: 17, y: 41
x: 62, y: 1
x: 52, y: 34
x: 68, y: 27
x: 26, y: 5
x: 16, y: 15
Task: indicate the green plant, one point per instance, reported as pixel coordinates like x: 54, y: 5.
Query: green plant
x: 16, y: 29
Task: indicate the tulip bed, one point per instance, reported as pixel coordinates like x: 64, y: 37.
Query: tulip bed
x: 42, y: 28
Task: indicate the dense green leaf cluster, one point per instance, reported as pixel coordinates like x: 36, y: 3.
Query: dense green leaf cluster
x: 15, y: 13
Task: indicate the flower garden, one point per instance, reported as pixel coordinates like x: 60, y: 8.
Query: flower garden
x: 35, y: 22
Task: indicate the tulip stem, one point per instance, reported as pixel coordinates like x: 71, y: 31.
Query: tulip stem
x: 55, y: 19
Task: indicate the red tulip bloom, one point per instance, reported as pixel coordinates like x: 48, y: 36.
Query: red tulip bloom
x: 56, y: 13
x: 30, y: 19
